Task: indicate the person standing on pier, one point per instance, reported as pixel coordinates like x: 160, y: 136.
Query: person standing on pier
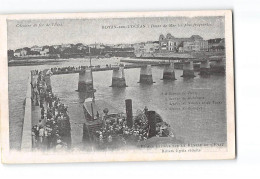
x: 42, y: 113
x: 35, y: 91
x: 145, y: 110
x: 41, y: 135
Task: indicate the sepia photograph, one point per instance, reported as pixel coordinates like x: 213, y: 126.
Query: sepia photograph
x: 119, y: 87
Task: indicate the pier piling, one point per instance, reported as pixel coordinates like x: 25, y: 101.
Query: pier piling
x: 218, y: 67
x: 188, y: 70
x: 118, y: 78
x: 85, y: 83
x: 205, y: 68
x: 168, y: 72
x: 146, y: 76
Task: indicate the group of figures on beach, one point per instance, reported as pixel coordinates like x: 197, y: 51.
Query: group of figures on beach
x: 53, y: 131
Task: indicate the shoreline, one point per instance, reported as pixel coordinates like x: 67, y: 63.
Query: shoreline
x: 30, y: 61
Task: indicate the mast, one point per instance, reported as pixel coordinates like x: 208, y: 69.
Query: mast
x: 93, y: 92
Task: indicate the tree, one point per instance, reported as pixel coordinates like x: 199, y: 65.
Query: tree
x: 10, y: 54
x: 27, y: 49
x: 52, y: 50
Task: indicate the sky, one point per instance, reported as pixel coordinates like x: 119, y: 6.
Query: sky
x: 27, y: 33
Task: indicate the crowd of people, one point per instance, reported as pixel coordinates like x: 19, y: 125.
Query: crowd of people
x: 78, y: 68
x: 116, y: 131
x: 71, y: 69
x: 68, y: 69
x: 53, y: 128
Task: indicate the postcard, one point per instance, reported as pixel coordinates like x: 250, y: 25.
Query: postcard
x: 117, y: 86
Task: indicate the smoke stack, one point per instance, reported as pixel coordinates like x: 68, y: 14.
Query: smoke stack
x: 152, y: 123
x: 129, y: 112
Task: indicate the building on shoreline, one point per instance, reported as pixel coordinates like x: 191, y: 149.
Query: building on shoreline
x: 217, y: 44
x: 36, y: 48
x: 174, y: 44
x: 20, y: 53
x: 146, y: 47
x: 166, y: 44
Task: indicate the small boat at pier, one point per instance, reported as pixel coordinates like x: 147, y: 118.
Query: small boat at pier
x: 108, y: 128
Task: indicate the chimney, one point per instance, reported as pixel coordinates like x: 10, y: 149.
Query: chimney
x: 129, y: 113
x: 152, y: 123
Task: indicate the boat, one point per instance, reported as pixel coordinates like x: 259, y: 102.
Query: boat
x: 108, y: 127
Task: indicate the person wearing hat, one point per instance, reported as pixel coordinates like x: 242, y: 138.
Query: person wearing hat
x: 41, y: 123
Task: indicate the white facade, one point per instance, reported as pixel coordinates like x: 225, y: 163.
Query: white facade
x: 20, y: 53
x: 17, y: 54
x: 148, y: 47
x: 36, y: 48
